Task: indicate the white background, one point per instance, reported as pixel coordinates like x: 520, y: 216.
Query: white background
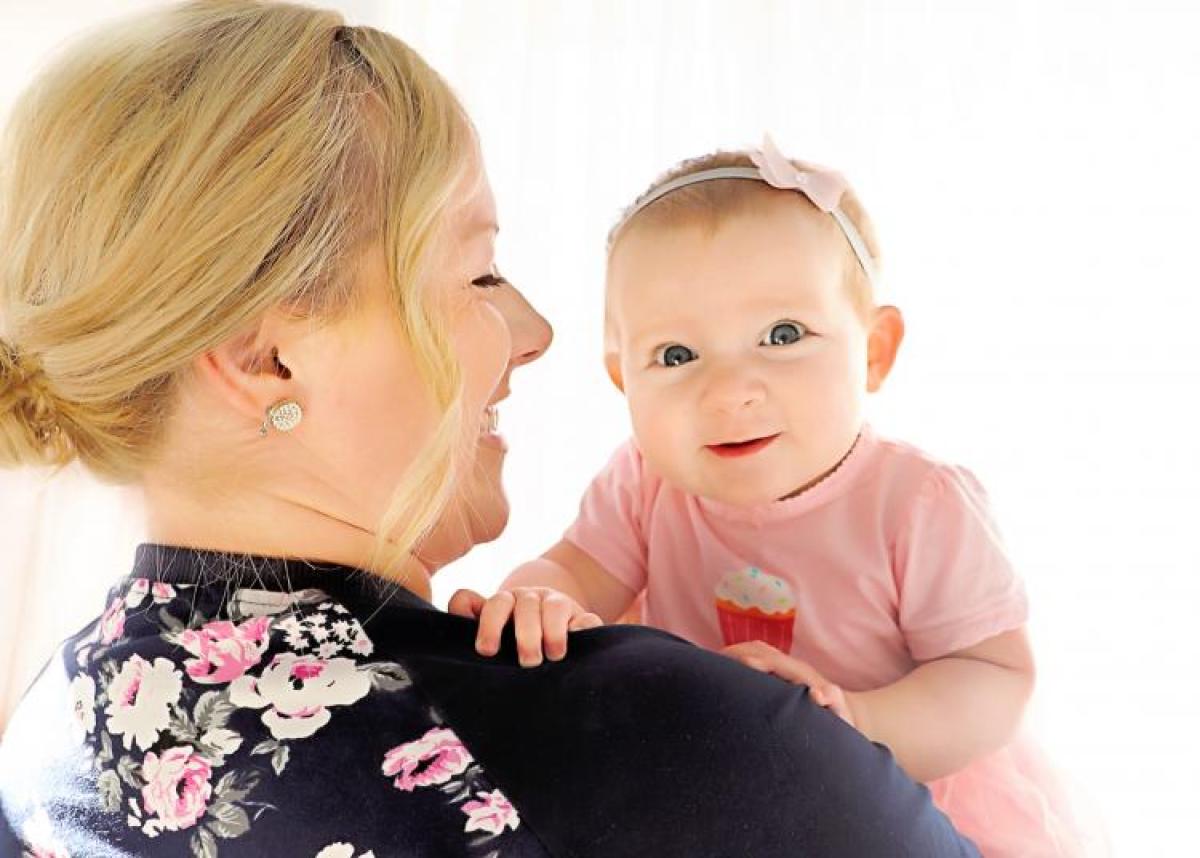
x: 1031, y: 168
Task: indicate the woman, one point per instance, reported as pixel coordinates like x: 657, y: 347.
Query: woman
x: 249, y: 267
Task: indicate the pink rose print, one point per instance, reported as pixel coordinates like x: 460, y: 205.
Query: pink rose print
x: 140, y: 588
x: 177, y: 789
x: 44, y: 851
x: 162, y: 592
x: 112, y: 624
x: 433, y: 759
x: 224, y: 651
x: 491, y: 814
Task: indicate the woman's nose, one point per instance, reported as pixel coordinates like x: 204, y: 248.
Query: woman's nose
x: 531, y: 333
x: 730, y: 389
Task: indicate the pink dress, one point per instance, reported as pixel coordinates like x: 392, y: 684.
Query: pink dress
x: 890, y: 561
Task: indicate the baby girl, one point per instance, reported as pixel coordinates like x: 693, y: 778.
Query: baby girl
x: 762, y: 516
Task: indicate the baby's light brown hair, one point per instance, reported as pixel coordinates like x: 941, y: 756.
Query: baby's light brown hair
x: 706, y: 204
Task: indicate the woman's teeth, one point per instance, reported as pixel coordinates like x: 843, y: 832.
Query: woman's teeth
x: 491, y: 421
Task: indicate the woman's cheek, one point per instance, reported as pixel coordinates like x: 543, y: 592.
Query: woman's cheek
x: 484, y: 345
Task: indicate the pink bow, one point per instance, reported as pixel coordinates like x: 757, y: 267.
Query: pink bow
x: 823, y: 187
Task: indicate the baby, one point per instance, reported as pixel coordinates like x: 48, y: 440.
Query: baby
x: 763, y: 517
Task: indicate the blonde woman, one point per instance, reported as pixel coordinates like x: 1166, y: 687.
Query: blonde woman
x: 248, y: 267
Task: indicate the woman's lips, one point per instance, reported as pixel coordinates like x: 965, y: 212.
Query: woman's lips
x: 742, y: 448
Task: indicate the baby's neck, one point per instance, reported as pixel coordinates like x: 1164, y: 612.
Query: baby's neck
x: 811, y: 484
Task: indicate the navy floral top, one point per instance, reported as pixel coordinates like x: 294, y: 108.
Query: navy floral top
x: 229, y: 705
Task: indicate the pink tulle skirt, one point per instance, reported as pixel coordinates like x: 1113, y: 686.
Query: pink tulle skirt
x: 1014, y: 804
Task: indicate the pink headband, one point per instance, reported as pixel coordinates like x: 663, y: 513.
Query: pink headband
x: 824, y: 188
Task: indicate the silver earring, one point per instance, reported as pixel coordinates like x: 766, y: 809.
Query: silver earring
x: 284, y: 415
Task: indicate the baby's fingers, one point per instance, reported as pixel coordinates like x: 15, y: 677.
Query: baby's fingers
x: 527, y: 619
x: 492, y: 619
x: 766, y: 658
x: 832, y: 697
x: 556, y: 619
x: 466, y: 603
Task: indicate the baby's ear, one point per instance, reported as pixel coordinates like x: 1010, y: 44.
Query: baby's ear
x: 612, y: 363
x: 883, y: 342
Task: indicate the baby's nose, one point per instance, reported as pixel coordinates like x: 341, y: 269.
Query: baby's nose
x: 731, y: 389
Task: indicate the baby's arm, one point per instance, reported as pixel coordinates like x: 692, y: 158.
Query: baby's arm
x: 951, y: 710
x: 936, y: 719
x: 562, y: 591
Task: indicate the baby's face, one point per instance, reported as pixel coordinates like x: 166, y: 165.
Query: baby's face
x: 741, y: 352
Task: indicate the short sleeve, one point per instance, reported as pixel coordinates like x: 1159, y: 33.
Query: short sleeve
x: 609, y: 528
x: 956, y: 584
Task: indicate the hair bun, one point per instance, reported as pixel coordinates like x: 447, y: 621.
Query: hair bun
x: 30, y: 433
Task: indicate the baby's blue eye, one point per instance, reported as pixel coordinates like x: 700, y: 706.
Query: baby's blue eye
x: 675, y: 355
x: 785, y: 333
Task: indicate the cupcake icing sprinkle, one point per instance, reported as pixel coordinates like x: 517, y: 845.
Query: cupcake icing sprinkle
x: 753, y: 588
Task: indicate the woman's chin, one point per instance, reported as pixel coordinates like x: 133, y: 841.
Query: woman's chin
x: 487, y: 525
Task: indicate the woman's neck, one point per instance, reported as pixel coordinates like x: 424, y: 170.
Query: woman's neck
x: 266, y: 525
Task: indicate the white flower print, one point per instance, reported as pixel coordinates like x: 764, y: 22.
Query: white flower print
x: 297, y: 690
x: 258, y: 603
x: 140, y: 697
x: 290, y: 625
x: 83, y: 704
x: 341, y: 850
x: 318, y: 632
x: 138, y: 590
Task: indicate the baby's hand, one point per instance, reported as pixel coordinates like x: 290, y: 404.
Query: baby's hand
x: 762, y: 656
x: 542, y: 617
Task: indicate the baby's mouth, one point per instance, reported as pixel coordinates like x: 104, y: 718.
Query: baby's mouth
x: 737, y: 449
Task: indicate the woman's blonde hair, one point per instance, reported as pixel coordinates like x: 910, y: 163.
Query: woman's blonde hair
x: 175, y: 176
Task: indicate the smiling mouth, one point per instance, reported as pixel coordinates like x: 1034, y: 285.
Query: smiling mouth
x: 737, y: 449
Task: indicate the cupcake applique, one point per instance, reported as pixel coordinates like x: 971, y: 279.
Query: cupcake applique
x: 755, y: 606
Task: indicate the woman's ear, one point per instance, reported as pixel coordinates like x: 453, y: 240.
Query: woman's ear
x: 247, y: 371
x: 612, y: 363
x: 883, y: 342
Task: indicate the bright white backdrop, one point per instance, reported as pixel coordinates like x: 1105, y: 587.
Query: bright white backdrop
x: 1031, y: 166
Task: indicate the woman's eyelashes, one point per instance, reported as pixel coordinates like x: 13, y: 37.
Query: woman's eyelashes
x: 492, y: 280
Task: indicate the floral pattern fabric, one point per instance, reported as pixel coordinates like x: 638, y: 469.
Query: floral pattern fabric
x: 211, y: 720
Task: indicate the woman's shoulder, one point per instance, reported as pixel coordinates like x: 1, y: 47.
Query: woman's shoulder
x: 640, y: 743
x: 211, y: 720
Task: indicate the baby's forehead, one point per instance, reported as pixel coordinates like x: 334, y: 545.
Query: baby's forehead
x: 670, y: 274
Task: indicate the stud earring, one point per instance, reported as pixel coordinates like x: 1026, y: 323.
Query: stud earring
x: 284, y: 415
